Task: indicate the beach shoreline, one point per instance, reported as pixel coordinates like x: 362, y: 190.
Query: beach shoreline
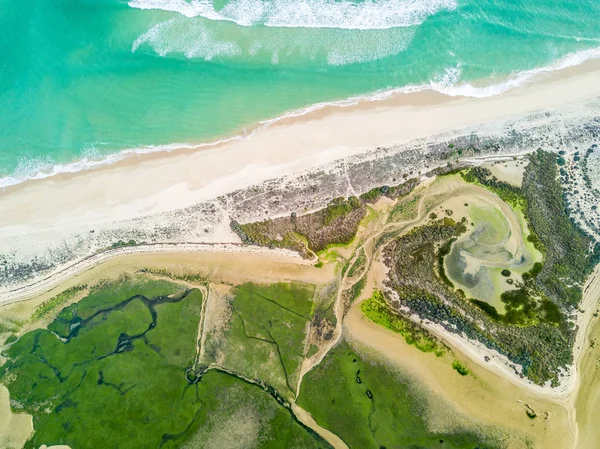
x: 160, y: 182
x: 192, y: 198
x: 410, y: 97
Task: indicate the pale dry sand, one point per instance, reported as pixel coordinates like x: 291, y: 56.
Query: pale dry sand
x: 156, y: 183
x: 15, y: 429
x: 587, y: 359
x: 306, y: 418
x: 510, y: 171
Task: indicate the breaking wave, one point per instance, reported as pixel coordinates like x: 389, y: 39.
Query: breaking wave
x: 366, y: 15
x: 196, y: 38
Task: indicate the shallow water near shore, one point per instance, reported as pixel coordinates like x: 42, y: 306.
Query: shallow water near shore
x: 82, y: 81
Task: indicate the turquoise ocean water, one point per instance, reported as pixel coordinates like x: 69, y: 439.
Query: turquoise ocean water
x: 83, y: 80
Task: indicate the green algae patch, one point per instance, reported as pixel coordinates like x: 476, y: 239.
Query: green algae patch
x: 377, y: 310
x: 265, y: 333
x: 369, y: 405
x: 115, y: 373
x: 119, y: 363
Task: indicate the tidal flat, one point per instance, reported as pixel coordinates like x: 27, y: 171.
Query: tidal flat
x: 368, y: 339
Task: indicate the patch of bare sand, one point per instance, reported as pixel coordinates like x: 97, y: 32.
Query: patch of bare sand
x: 222, y: 267
x: 226, y: 268
x: 15, y: 428
x: 216, y: 320
x: 483, y: 396
x: 510, y: 171
x: 306, y: 418
x: 587, y: 356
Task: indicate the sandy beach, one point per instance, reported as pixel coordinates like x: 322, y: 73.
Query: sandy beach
x: 152, y: 184
x: 191, y: 196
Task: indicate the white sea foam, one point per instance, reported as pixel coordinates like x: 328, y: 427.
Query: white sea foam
x: 447, y: 83
x: 193, y: 40
x: 519, y: 78
x: 197, y: 38
x: 368, y: 14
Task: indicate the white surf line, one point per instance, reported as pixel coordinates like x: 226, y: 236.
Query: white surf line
x: 381, y: 15
x: 464, y: 89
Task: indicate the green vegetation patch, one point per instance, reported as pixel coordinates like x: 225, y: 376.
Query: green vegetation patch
x: 359, y: 264
x: 460, y: 367
x: 378, y: 311
x: 442, y: 253
x: 405, y: 210
x: 193, y: 278
x: 357, y: 288
x: 45, y: 308
x: 119, y: 364
x: 266, y: 333
x: 567, y: 248
x: 106, y: 295
x: 368, y: 405
x: 336, y: 224
x: 509, y: 193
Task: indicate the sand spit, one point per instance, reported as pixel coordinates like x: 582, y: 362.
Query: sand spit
x: 120, y: 206
x: 50, y: 282
x: 587, y: 359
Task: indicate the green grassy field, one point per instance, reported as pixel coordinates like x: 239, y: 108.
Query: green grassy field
x: 265, y: 336
x: 368, y: 405
x: 117, y: 376
x: 235, y: 414
x: 114, y: 375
